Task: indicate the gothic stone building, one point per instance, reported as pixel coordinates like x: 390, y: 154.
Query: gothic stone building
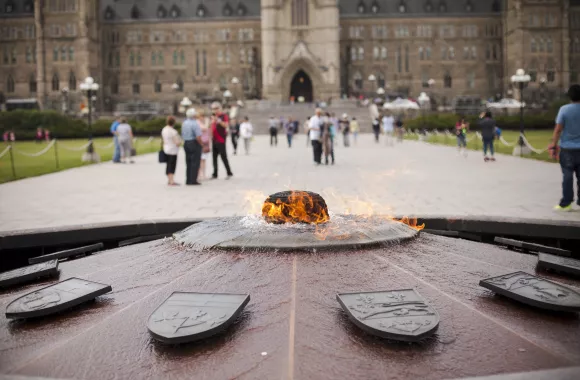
x: 160, y: 50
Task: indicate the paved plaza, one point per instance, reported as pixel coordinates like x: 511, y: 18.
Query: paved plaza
x: 412, y: 178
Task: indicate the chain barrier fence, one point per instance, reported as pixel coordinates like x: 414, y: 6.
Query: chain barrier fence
x: 54, y: 143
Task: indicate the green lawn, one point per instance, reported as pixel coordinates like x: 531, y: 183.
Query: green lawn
x: 33, y: 166
x: 538, y: 139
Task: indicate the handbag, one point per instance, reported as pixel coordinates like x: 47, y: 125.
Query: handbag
x: 162, y: 155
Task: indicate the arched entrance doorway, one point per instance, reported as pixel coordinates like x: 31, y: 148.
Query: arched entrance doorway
x: 301, y: 85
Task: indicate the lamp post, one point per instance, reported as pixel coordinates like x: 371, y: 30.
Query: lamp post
x: 423, y: 100
x: 185, y: 104
x: 65, y: 100
x: 430, y: 84
x: 90, y: 88
x: 543, y: 82
x: 227, y: 95
x: 373, y: 79
x: 175, y: 88
x: 235, y: 82
x: 381, y: 93
x: 521, y: 79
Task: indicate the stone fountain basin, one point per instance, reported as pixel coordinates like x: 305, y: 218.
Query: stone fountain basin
x: 293, y: 327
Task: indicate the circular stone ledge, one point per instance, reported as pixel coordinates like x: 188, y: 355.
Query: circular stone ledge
x: 252, y: 232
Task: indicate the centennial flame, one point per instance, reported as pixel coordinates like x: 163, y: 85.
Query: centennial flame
x: 299, y: 207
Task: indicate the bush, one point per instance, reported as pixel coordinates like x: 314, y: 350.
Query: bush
x: 447, y: 121
x: 25, y: 122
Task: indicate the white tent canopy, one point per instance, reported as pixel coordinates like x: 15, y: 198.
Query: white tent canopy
x: 401, y: 104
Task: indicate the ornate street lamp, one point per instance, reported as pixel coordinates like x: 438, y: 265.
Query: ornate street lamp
x: 227, y: 96
x: 64, y: 100
x: 90, y: 88
x: 543, y: 82
x: 423, y: 100
x: 235, y: 82
x: 521, y: 79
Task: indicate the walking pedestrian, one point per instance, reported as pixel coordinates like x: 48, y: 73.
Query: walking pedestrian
x: 273, y: 125
x: 345, y: 127
x: 171, y: 144
x: 46, y: 134
x: 327, y: 138
x: 235, y: 134
x: 117, y: 151
x: 314, y: 128
x: 290, y: 129
x: 354, y: 128
x: 487, y: 126
x: 246, y: 130
x: 219, y: 124
x: 205, y: 144
x: 400, y: 125
x: 125, y: 136
x: 376, y: 127
x: 388, y: 128
x: 307, y: 131
x: 39, y: 135
x: 567, y: 134
x: 192, y: 144
x: 461, y: 134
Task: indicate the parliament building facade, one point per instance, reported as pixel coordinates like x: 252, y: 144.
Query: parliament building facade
x: 160, y: 50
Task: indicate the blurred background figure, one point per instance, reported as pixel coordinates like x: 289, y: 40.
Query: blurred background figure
x: 235, y: 134
x: 273, y: 127
x: 354, y: 129
x: 461, y: 134
x: 388, y: 128
x: 125, y: 136
x: 246, y: 132
x: 171, y: 144
x: 344, y: 126
x: 205, y: 144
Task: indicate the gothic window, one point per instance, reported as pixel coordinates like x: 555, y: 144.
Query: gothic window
x: 468, y: 6
x: 71, y: 53
x: 182, y: 57
x: 428, y: 52
x: 466, y: 52
x: 174, y: 12
x: 353, y: 53
x: 496, y: 6
x: 549, y: 45
x: 451, y: 52
x: 242, y: 55
x: 227, y: 11
x: 471, y: 80
x: 9, y: 84
x: 197, y: 63
x: 375, y: 7
x: 55, y: 54
x: 175, y: 57
x: 204, y: 63
x: 421, y: 53
x: 541, y: 45
x: 358, y: 81
x: 241, y: 9
x: 136, y: 88
x: 443, y: 53
x: 376, y: 52
x: 55, y: 82
x: 300, y: 12
x: 533, y: 70
x: 135, y: 12
x: 381, y: 82
x: 447, y: 80
x: 550, y: 70
x: 428, y: 6
x: 9, y: 7
x: 72, y: 81
x: 179, y: 82
x: 361, y: 8
x: 407, y: 58
x: 114, y: 86
x: 153, y: 58
x: 220, y: 56
x: 402, y: 7
x: 494, y: 52
x: 32, y: 83
x: 399, y: 59
x: 424, y: 79
x: 383, y: 53
x: 201, y: 12
x: 533, y: 45
x: 442, y: 6
x: 160, y: 58
x: 28, y: 54
x: 361, y: 53
x: 227, y: 57
x: 157, y: 85
x: 161, y: 12
x: 131, y: 59
x: 251, y: 54
x: 63, y: 51
x: 473, y: 52
x: 223, y: 82
x: 28, y: 6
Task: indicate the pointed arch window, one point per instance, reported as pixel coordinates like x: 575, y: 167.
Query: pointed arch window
x: 28, y: 6
x: 361, y: 8
x: 375, y: 8
x: 201, y: 11
x: 533, y: 70
x: 533, y: 45
x: 241, y: 10
x: 32, y: 83
x: 442, y: 6
x: 361, y: 53
x: 63, y: 51
x: 114, y: 85
x: 223, y: 82
x: 157, y: 85
x: 72, y: 81
x: 242, y: 55
x: 468, y: 6
x: 55, y: 54
x: 376, y: 52
x: 549, y: 45
x: 131, y: 59
x: 182, y: 57
x: 109, y: 13
x: 300, y: 12
x: 447, y: 80
x: 541, y: 45
x: 179, y: 82
x: 153, y: 58
x: 71, y: 53
x: 135, y: 14
x: 9, y: 84
x: 381, y: 82
x: 358, y: 80
x: 227, y: 11
x: 496, y: 6
x: 402, y: 7
x: 383, y: 53
x: 175, y: 57
x: 175, y: 12
x: 161, y: 12
x: 55, y: 82
x: 160, y: 58
x: 9, y: 7
x: 421, y: 53
x: 428, y: 6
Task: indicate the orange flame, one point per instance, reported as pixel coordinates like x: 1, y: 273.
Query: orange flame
x: 300, y: 208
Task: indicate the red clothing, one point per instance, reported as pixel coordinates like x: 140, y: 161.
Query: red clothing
x: 220, y: 132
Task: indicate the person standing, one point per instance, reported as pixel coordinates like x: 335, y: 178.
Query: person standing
x: 125, y: 136
x: 117, y: 151
x: 273, y: 126
x: 344, y: 125
x: 388, y: 128
x: 400, y: 125
x: 235, y: 134
x: 290, y: 129
x: 567, y: 134
x: 205, y: 144
x: 307, y: 131
x: 246, y: 130
x: 191, y: 135
x: 487, y: 126
x: 39, y: 135
x: 46, y: 134
x: 171, y: 144
x: 219, y: 125
x: 461, y: 134
x: 326, y: 132
x: 376, y: 129
x: 314, y: 130
x: 354, y: 128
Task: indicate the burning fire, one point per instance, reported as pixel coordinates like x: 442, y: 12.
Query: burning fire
x: 299, y: 207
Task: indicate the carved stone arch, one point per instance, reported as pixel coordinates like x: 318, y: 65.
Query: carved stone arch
x: 307, y: 66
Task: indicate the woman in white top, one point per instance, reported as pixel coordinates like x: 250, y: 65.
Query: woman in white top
x: 389, y: 128
x: 246, y: 130
x: 171, y: 144
x: 125, y: 137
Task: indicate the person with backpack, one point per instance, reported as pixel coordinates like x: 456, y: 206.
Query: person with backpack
x: 487, y: 127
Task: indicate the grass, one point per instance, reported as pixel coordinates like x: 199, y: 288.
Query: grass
x: 538, y: 139
x: 34, y: 166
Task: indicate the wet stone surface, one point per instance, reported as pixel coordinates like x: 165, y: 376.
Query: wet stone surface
x: 252, y: 232
x: 558, y: 263
x: 28, y: 273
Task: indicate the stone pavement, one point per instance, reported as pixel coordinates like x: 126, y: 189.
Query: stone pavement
x: 411, y: 178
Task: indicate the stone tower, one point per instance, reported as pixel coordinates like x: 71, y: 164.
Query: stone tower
x: 300, y: 49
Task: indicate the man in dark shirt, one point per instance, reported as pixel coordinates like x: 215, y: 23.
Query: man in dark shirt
x: 487, y: 126
x: 219, y: 129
